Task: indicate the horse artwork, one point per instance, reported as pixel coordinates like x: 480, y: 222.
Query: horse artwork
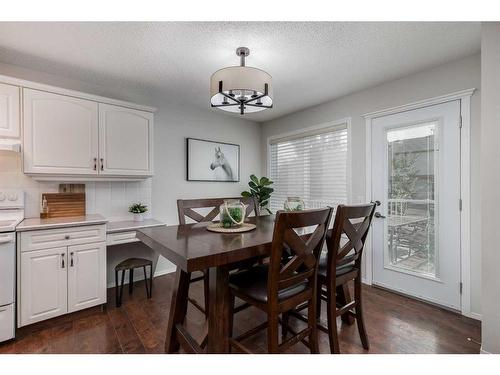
x: 223, y: 165
x: 212, y: 161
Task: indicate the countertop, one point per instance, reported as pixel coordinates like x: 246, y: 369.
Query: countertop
x: 60, y: 222
x: 128, y: 225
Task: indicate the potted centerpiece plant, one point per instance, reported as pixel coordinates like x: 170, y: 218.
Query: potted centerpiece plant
x: 232, y: 213
x: 261, y: 190
x: 138, y: 210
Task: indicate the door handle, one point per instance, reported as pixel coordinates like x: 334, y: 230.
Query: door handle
x: 95, y: 164
x: 62, y: 261
x: 379, y: 215
x: 102, y: 164
x: 71, y: 261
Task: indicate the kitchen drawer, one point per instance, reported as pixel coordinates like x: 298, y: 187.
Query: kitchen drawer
x: 49, y: 238
x: 121, y: 237
x: 7, y: 322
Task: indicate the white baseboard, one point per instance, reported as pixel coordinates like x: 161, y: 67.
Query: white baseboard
x: 139, y: 277
x: 164, y: 271
x: 474, y: 315
x: 482, y: 351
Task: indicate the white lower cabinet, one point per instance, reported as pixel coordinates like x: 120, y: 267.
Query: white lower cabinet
x: 43, y: 285
x: 60, y: 279
x: 86, y: 275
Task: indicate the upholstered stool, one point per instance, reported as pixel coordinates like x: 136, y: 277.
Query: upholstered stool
x: 129, y: 265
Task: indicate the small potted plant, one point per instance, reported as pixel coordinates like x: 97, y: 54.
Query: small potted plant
x: 260, y: 189
x: 138, y: 209
x: 232, y: 213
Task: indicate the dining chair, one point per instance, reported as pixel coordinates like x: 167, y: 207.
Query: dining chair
x: 187, y: 208
x: 341, y: 265
x: 283, y: 284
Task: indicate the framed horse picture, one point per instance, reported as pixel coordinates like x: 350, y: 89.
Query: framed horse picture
x: 212, y: 161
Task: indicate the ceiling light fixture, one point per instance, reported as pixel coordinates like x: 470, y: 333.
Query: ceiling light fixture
x: 241, y: 88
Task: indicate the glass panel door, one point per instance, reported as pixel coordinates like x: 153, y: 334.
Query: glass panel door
x: 415, y: 174
x: 412, y: 166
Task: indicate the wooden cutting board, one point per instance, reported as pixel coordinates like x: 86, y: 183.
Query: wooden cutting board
x: 65, y: 204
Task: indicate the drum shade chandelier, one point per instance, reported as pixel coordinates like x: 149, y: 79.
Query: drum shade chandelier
x: 241, y: 88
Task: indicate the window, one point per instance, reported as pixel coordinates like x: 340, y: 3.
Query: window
x: 312, y: 166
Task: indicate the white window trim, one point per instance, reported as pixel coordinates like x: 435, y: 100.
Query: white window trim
x: 465, y: 245
x: 323, y: 126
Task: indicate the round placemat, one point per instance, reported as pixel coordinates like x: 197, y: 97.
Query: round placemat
x: 245, y: 227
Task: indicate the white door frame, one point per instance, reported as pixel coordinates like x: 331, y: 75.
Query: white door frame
x: 464, y: 97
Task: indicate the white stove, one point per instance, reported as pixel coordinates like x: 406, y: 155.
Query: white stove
x: 11, y: 214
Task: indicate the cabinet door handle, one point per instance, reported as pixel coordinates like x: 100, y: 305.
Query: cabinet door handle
x: 6, y: 239
x: 95, y: 164
x: 102, y: 164
x: 62, y: 261
x: 71, y: 261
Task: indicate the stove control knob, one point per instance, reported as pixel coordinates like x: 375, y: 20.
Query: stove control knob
x: 2, y: 196
x: 12, y: 197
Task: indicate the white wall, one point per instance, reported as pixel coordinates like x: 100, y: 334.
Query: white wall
x: 169, y: 182
x: 490, y: 181
x: 444, y: 79
x: 173, y: 123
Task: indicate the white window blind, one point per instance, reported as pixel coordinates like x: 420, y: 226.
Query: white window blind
x: 312, y: 166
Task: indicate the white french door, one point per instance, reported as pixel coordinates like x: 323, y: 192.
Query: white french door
x: 416, y: 178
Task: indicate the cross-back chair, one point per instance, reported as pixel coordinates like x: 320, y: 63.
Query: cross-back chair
x: 186, y: 208
x: 342, y: 265
x: 287, y: 281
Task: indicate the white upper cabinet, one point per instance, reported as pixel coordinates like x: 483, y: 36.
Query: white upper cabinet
x: 125, y: 138
x: 60, y: 134
x: 9, y: 111
x: 78, y: 138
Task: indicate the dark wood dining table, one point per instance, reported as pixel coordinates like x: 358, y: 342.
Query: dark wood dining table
x: 191, y: 247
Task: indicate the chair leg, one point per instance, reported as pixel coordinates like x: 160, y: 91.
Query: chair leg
x: 285, y: 319
x: 331, y: 312
x: 120, y: 290
x: 312, y: 322
x: 146, y: 282
x: 344, y: 297
x: 131, y: 281
x: 359, y: 313
x: 206, y: 293
x: 150, y: 281
x: 318, y: 302
x: 272, y: 334
x: 117, y: 299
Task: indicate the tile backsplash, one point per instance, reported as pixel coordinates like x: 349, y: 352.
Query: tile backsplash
x: 110, y: 199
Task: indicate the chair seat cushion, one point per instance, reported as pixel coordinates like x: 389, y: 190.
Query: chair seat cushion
x: 253, y: 283
x: 133, y: 263
x: 342, y: 270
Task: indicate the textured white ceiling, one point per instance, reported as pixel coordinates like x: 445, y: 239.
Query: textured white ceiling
x: 310, y: 62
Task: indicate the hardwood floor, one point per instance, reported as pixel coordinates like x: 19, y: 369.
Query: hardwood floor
x: 395, y: 324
